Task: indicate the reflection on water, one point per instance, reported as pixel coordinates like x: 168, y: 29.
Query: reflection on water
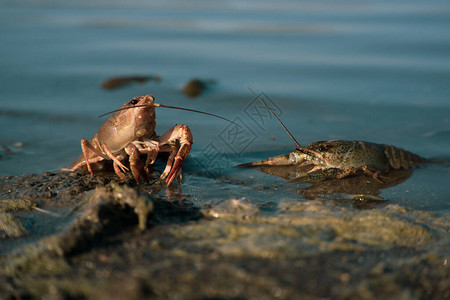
x: 335, y: 188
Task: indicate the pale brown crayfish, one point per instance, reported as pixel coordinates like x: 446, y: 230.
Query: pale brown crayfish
x: 130, y: 131
x: 339, y: 158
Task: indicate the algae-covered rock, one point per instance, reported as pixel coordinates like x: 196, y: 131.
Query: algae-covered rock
x: 107, y: 202
x: 308, y: 228
x: 105, y: 245
x: 10, y: 226
x: 105, y: 212
x: 232, y: 208
x: 108, y: 210
x: 9, y: 205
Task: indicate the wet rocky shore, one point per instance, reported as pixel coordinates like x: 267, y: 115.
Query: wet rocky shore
x: 73, y: 236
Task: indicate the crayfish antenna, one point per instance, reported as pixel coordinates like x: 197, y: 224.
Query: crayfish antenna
x: 297, y: 145
x: 172, y: 107
x: 195, y: 111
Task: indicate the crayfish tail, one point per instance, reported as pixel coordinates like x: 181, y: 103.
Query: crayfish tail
x: 445, y: 161
x: 400, y: 158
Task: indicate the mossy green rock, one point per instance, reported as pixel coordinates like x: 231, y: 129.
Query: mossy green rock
x: 10, y: 226
x: 121, y: 242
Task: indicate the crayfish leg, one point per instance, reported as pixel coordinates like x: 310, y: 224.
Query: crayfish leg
x: 349, y: 171
x: 320, y: 174
x: 86, y: 146
x: 114, y: 159
x: 376, y: 174
x: 118, y: 171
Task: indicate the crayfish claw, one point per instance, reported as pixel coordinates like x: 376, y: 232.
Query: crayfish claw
x: 175, y: 170
x: 136, y: 166
x: 180, y: 140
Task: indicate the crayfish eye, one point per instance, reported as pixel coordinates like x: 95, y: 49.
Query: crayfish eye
x: 133, y: 102
x: 323, y: 148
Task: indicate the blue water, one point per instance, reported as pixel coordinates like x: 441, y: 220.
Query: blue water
x: 366, y: 70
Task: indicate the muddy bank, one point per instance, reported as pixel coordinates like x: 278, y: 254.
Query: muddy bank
x: 74, y: 236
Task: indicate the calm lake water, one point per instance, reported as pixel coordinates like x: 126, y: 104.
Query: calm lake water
x: 359, y: 70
